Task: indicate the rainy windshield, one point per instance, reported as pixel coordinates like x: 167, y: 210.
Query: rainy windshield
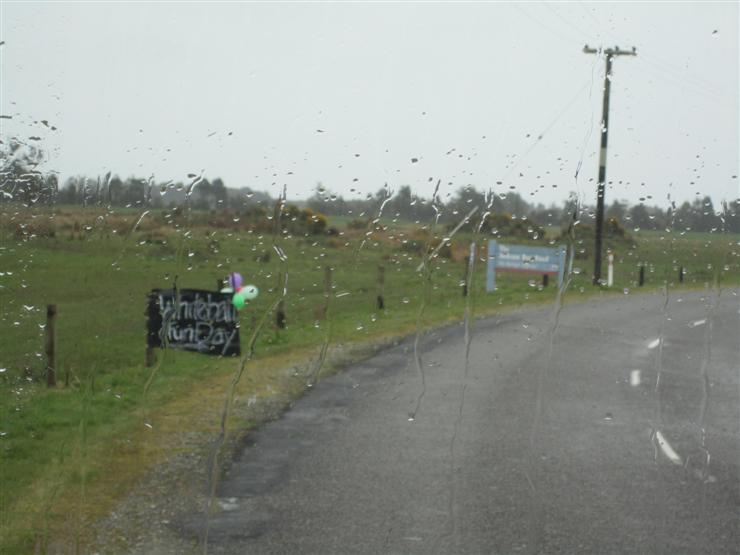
x: 369, y: 278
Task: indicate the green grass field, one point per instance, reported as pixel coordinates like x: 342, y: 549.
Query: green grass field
x: 56, y: 442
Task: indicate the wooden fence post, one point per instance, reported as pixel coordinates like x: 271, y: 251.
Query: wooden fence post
x: 280, y: 318
x: 466, y: 268
x: 327, y: 289
x: 381, y: 288
x: 151, y: 312
x: 469, y: 266
x: 280, y: 315
x: 51, y: 317
x: 151, y: 357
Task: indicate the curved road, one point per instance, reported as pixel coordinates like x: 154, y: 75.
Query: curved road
x: 538, y: 449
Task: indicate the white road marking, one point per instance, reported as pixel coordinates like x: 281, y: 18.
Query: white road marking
x: 703, y: 476
x: 229, y: 504
x: 635, y: 376
x: 667, y: 449
x: 698, y: 323
x: 654, y: 343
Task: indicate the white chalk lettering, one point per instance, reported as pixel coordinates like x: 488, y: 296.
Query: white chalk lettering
x: 200, y: 308
x: 198, y: 321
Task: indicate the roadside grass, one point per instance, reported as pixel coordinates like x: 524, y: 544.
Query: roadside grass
x: 69, y: 452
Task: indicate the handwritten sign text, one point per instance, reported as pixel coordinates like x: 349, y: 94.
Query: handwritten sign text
x: 193, y: 320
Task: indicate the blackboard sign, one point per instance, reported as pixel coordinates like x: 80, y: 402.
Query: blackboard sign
x: 193, y: 320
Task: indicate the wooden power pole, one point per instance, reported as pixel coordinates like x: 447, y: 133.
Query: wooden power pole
x: 610, y: 54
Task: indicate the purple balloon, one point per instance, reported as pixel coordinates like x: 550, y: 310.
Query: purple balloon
x: 235, y: 280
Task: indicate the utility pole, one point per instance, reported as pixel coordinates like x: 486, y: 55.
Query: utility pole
x: 610, y: 53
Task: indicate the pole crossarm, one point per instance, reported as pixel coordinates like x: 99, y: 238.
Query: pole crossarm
x: 616, y: 51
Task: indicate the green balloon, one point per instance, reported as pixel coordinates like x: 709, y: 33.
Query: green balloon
x: 238, y: 301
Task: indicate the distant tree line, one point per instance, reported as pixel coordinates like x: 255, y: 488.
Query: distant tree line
x: 134, y: 191
x: 22, y: 181
x: 698, y: 215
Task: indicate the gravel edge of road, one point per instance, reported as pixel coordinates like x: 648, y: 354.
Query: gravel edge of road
x: 143, y: 521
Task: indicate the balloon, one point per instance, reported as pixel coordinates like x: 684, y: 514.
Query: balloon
x: 249, y: 292
x: 238, y: 301
x: 235, y: 280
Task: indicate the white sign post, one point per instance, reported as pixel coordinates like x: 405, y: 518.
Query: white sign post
x: 610, y: 274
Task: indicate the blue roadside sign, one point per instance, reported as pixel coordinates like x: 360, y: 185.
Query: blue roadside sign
x: 521, y: 258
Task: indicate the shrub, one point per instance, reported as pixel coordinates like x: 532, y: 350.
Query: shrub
x: 34, y: 228
x: 335, y: 243
x: 418, y: 240
x: 505, y: 225
x: 358, y: 223
x: 615, y: 238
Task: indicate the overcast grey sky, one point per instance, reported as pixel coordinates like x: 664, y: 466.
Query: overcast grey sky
x: 241, y: 90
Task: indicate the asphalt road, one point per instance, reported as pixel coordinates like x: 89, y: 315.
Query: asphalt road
x: 569, y: 448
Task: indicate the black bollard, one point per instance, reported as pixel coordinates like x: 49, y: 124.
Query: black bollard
x: 280, y: 316
x: 642, y: 276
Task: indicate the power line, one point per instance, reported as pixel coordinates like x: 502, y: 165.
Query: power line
x: 547, y: 128
x: 551, y: 30
x: 671, y: 69
x: 678, y: 81
x: 570, y: 24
